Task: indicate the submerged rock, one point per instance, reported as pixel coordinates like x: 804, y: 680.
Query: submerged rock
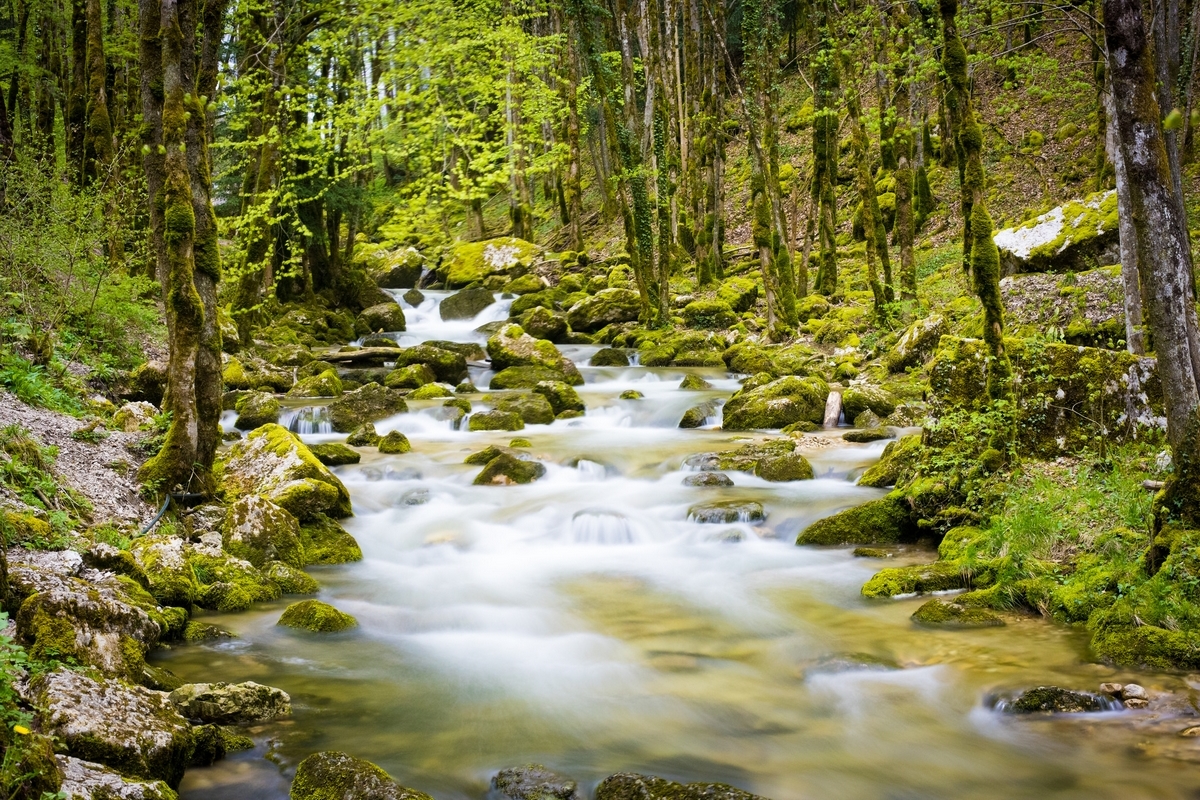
x: 631, y: 786
x: 1055, y: 700
x: 331, y: 775
x: 129, y: 728
x: 84, y: 780
x: 533, y: 782
x: 942, y: 614
x: 315, y: 616
x: 708, y: 479
x: 226, y: 703
x: 727, y: 511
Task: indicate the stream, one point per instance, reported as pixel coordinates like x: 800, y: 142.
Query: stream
x: 584, y: 623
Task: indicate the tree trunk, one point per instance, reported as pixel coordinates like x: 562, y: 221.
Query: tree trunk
x: 98, y: 152
x: 1162, y: 246
x: 1134, y: 331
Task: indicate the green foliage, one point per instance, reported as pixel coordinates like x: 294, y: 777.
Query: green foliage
x: 25, y: 469
x: 32, y: 384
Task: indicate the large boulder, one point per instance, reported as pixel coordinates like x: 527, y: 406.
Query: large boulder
x: 413, y: 376
x: 134, y: 730
x: 606, y: 307
x: 471, y: 262
x: 83, y: 780
x: 777, y: 404
x: 326, y: 542
x: 387, y: 317
x: 561, y: 396
x: 1074, y: 237
x: 369, y: 403
x: 164, y: 560
x: 1070, y: 396
x: 259, y: 531
x: 739, y: 292
x: 466, y: 304
x: 860, y: 397
x: 274, y: 464
x: 331, y: 775
x: 226, y: 703
x: 916, y: 344
x: 1085, y: 308
x: 631, y: 786
x: 147, y: 382
x: 512, y: 347
x: 398, y: 269
x: 67, y: 611
x: 884, y: 521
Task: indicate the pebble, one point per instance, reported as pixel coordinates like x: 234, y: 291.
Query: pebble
x: 1113, y: 689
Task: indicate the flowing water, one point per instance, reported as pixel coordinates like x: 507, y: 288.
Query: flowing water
x: 583, y: 622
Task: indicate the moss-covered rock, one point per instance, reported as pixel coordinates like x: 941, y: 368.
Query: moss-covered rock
x: 259, y: 531
x: 289, y: 579
x: 708, y: 480
x: 542, y: 324
x: 226, y: 703
x: 694, y: 383
x: 133, y: 730
x: 697, y: 416
x: 606, y: 307
x: 395, y: 443
x: 331, y: 775
x: 327, y: 542
x: 315, y: 616
x: 727, y: 511
x: 512, y: 347
x: 862, y: 397
x: 916, y: 344
x: 529, y: 377
x: 370, y: 403
x: 919, y: 579
x: 779, y: 403
x: 533, y: 409
x: 413, y: 376
x: 363, y: 436
x: 326, y: 384
x: 133, y: 417
x: 547, y: 299
x: 164, y: 561
x: 1075, y: 237
x: 506, y: 469
x: 899, y: 460
x: 609, y: 357
x: 146, y: 382
x: 387, y: 317
x: 943, y: 614
x: 83, y: 780
x: 466, y: 304
x: 335, y: 454
x: 392, y: 269
x: 255, y: 409
x: 431, y: 391
x: 1056, y: 700
x: 471, y: 262
x: 561, y: 396
x: 786, y: 467
x: 631, y: 786
x: 448, y: 365
x: 883, y: 521
x: 709, y: 314
x: 274, y: 464
x: 1070, y: 396
x: 739, y: 293
x: 228, y: 583
x: 496, y: 421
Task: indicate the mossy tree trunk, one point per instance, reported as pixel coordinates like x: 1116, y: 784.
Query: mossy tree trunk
x: 825, y: 128
x: 98, y: 153
x: 984, y: 259
x: 176, y: 136
x: 872, y: 222
x: 75, y: 105
x: 568, y: 84
x: 1162, y: 245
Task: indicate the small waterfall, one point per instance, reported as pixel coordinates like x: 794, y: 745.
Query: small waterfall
x: 591, y: 470
x: 598, y: 526
x: 305, y: 421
